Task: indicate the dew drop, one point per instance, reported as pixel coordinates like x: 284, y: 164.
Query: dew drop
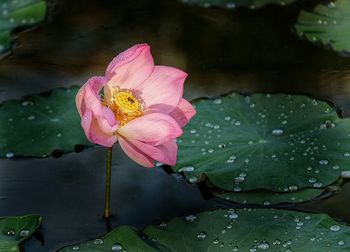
x: 98, y: 241
x: 186, y: 169
x: 222, y: 145
x: 263, y: 245
x: 191, y: 218
x: 340, y: 243
x: 24, y: 233
x: 345, y: 174
x: 312, y: 180
x: 217, y: 101
x: 233, y: 216
x: 201, y: 236
x: 75, y: 247
x: 10, y: 155
x: 277, y: 132
x: 11, y: 232
x: 317, y: 185
x: 27, y: 103
x: 237, y: 189
x: 117, y: 247
x: 31, y: 117
x: 323, y: 162
x: 193, y: 179
x: 335, y: 228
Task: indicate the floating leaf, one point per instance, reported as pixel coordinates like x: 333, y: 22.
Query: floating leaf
x: 14, y: 230
x: 13, y: 14
x: 124, y: 238
x: 252, y: 230
x: 328, y: 24
x: 231, y: 4
x: 274, y: 142
x: 264, y: 197
x: 230, y: 230
x: 40, y: 124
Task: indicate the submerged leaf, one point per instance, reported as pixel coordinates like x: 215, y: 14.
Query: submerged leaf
x: 231, y: 4
x: 275, y: 142
x: 267, y: 198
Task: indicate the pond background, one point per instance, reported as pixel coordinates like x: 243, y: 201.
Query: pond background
x: 222, y: 50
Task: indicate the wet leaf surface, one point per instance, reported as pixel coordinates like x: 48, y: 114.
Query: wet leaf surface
x: 14, y: 230
x: 275, y: 142
x: 230, y: 230
x: 252, y: 51
x: 328, y: 24
x: 38, y: 125
x: 15, y: 14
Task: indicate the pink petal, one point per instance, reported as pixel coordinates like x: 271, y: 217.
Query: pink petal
x: 135, y: 154
x: 79, y: 101
x: 165, y: 153
x: 88, y: 96
x: 183, y: 112
x: 163, y: 90
x: 131, y: 67
x: 95, y: 133
x: 154, y: 129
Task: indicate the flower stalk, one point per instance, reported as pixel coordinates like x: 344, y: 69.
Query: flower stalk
x: 107, y: 210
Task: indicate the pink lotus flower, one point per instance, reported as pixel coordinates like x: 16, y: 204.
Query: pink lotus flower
x: 138, y: 104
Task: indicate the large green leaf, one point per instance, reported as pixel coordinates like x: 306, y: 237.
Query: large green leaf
x: 20, y: 13
x: 40, y: 124
x: 275, y: 142
x: 124, y: 238
x: 328, y: 24
x: 230, y: 230
x: 14, y: 230
x: 231, y: 4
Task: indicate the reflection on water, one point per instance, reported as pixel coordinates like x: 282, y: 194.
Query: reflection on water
x: 241, y: 50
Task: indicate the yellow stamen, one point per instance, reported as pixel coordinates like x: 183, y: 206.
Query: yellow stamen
x: 125, y: 106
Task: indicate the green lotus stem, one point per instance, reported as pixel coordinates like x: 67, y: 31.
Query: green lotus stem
x: 107, y: 211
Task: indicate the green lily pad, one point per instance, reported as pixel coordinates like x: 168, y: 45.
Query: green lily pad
x: 264, y: 197
x: 274, y: 142
x: 328, y: 24
x: 14, y: 230
x: 14, y: 14
x: 129, y: 236
x: 230, y: 230
x: 231, y: 4
x: 41, y: 124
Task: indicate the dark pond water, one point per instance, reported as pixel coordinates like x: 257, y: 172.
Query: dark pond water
x: 223, y: 51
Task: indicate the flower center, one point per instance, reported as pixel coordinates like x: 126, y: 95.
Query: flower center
x: 125, y: 106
